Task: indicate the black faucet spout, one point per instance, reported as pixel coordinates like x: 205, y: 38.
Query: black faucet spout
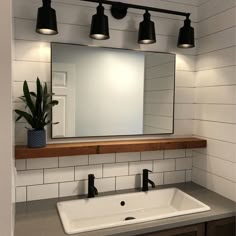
x: 95, y: 190
x: 152, y: 183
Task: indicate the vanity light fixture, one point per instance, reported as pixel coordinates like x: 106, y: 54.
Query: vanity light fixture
x: 147, y: 33
x: 46, y: 20
x: 99, y: 27
x: 186, y: 35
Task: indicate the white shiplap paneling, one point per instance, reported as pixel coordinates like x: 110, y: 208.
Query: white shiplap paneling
x: 215, y: 95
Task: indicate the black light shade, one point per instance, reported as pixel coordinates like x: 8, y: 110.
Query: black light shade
x: 147, y: 33
x: 186, y: 35
x: 99, y: 27
x: 46, y: 20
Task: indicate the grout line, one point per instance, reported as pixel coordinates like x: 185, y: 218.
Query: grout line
x: 158, y: 115
x: 180, y: 3
x: 159, y: 90
x: 214, y: 174
x: 157, y: 78
x: 220, y: 104
x: 205, y: 137
x: 216, y: 32
x: 216, y: 50
x: 212, y: 121
x: 206, y: 154
x: 203, y: 3
x: 213, y: 86
x: 215, y: 68
x: 158, y: 65
x: 207, y: 18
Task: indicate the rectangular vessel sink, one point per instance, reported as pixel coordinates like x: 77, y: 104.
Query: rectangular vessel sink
x: 85, y: 215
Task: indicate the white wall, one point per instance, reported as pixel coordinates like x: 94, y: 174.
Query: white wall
x: 6, y: 137
x: 215, y: 97
x: 53, y: 177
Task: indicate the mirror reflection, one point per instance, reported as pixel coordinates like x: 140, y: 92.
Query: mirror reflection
x: 108, y: 92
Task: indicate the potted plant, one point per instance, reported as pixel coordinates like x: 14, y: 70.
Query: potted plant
x: 38, y: 106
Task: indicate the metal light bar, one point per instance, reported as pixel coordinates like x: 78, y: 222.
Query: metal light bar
x: 139, y: 7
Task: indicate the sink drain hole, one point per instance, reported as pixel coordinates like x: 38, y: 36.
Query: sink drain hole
x: 130, y: 218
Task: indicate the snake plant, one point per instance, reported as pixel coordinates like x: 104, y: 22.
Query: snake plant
x: 38, y: 106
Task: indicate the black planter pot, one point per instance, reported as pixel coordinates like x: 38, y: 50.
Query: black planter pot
x: 36, y: 138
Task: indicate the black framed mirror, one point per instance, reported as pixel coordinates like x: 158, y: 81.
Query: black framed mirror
x: 111, y: 92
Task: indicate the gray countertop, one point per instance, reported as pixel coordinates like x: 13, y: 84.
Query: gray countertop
x: 40, y: 218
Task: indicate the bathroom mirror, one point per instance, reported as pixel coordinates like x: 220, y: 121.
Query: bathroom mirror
x: 109, y: 92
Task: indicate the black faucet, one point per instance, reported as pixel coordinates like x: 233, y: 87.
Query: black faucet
x: 92, y: 191
x: 146, y: 181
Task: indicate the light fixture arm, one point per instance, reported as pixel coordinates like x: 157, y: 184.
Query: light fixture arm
x: 126, y: 5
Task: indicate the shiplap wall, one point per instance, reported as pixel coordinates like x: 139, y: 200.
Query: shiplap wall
x: 158, y: 93
x: 215, y: 97
x: 45, y: 178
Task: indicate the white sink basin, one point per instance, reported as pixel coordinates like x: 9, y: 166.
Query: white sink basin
x: 85, y: 215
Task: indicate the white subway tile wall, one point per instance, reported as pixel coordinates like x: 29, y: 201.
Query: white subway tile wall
x: 45, y: 191
x: 215, y: 98
x: 73, y: 161
x: 62, y: 181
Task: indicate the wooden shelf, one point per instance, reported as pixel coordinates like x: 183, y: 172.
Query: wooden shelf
x: 72, y: 149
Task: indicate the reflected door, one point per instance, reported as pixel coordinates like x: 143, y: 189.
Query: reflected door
x: 64, y: 113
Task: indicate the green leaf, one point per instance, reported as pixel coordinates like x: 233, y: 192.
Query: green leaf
x: 28, y: 99
x: 45, y: 96
x: 22, y: 99
x: 55, y: 123
x: 33, y: 94
x: 18, y: 118
x: 39, y: 98
x: 50, y: 105
x: 38, y: 103
x: 27, y: 117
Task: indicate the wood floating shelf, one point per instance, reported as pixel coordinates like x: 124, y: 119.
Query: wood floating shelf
x: 86, y: 148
